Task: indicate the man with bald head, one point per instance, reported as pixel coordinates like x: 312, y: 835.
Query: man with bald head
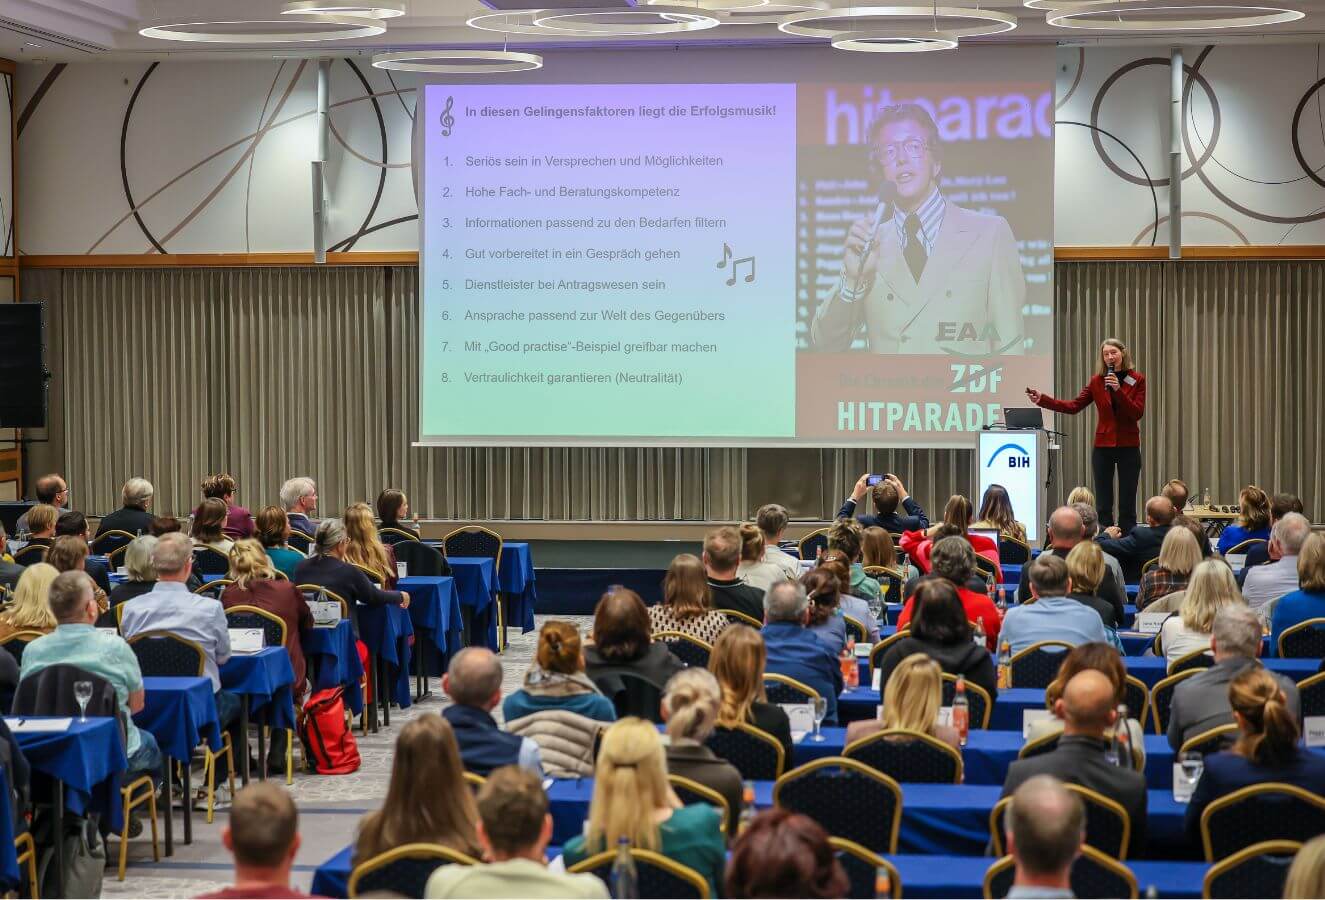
x: 1045, y: 827
x: 1088, y: 708
x: 473, y: 682
x: 1142, y: 545
x: 1066, y: 530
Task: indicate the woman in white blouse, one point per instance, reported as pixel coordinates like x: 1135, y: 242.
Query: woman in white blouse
x: 1211, y: 588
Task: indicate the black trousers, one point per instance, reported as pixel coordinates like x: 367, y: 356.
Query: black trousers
x: 1127, y: 460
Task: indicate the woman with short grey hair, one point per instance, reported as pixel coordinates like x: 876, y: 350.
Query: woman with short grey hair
x: 327, y: 569
x: 139, y: 569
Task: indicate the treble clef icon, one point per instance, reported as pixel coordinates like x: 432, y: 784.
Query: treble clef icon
x: 447, y: 119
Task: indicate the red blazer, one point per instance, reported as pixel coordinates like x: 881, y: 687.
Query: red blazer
x: 918, y: 548
x: 1118, y: 428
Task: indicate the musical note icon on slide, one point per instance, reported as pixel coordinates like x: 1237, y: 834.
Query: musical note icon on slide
x: 736, y: 265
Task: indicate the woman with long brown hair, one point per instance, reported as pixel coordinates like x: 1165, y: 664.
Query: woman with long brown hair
x: 687, y: 604
x: 427, y: 800
x: 1253, y: 519
x: 366, y: 549
x: 622, y: 642
x: 956, y: 522
x: 823, y: 585
x: 393, y: 510
x: 996, y: 513
x: 208, y: 526
x: 737, y: 661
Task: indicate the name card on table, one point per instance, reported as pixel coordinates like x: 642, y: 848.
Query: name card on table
x: 1236, y: 561
x: 863, y: 649
x: 246, y: 640
x: 19, y: 725
x: 108, y: 630
x: 325, y: 612
x: 1029, y: 717
x: 1150, y: 622
x: 1315, y: 730
x: 801, y: 716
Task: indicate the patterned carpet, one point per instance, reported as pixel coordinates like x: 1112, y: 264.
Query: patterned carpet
x: 329, y: 806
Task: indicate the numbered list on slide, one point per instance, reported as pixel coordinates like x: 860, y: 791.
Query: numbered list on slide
x: 609, y: 260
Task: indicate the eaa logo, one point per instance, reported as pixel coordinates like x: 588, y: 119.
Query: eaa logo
x: 1017, y: 459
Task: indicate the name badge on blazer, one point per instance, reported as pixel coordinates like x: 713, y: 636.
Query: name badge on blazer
x: 1129, y: 380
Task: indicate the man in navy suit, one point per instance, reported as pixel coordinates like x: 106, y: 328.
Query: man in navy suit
x: 887, y: 495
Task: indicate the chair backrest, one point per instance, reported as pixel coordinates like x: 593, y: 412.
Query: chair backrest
x: 1161, y: 698
x: 474, y: 780
x: 111, y: 544
x: 376, y: 577
x: 214, y: 588
x: 978, y: 701
x: 1305, y: 640
x: 849, y: 799
x: 17, y: 642
x: 1256, y: 871
x: 421, y: 559
x: 1311, y: 692
x: 392, y: 536
x: 690, y: 650
x: 403, y: 871
x: 784, y: 689
x: 1137, y: 697
x: 1094, y: 877
x: 272, y: 625
x: 31, y: 554
x: 50, y: 692
x: 163, y: 653
x: 1242, y: 548
x: 812, y: 543
x: 1108, y: 825
x: 636, y: 695
x: 313, y: 592
x: 862, y: 867
x: 856, y: 629
x: 1013, y: 550
x: 755, y: 753
x: 1197, y: 659
x: 908, y: 756
x: 657, y: 875
x: 210, y: 561
x: 1150, y: 564
x: 1038, y: 664
x: 1211, y: 741
x: 891, y: 582
x: 689, y: 791
x: 881, y: 647
x: 1048, y: 743
x: 1262, y: 812
x: 736, y: 617
x: 299, y: 541
x: 985, y: 567
x: 474, y: 540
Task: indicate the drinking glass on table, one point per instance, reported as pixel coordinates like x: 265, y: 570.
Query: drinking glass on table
x: 82, y: 693
x: 1190, y: 766
x: 820, y: 710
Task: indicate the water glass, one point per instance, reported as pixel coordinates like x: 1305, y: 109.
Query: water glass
x: 820, y: 710
x: 82, y: 693
x: 1192, y: 764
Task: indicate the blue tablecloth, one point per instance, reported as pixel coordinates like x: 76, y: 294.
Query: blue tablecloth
x: 387, y: 632
x: 476, y: 583
x: 963, y: 876
x: 266, y: 678
x: 332, y: 878
x: 180, y: 713
x: 434, y: 608
x: 1151, y: 669
x: 863, y: 703
x: 88, y: 758
x: 333, y: 661
x: 515, y: 579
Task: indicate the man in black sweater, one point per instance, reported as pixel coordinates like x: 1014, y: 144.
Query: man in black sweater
x: 1143, y: 544
x: 887, y: 495
x: 722, y: 556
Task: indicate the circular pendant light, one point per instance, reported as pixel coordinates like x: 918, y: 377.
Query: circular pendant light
x: 284, y: 30
x: 770, y: 13
x: 458, y: 62
x: 714, y: 5
x: 507, y: 22
x: 1051, y: 5
x: 894, y: 41
x: 1196, y: 17
x: 876, y: 19
x: 625, y: 21
x: 378, y: 9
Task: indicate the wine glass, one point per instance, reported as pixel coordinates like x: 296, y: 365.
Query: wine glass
x: 82, y: 693
x: 820, y: 710
x: 1192, y: 764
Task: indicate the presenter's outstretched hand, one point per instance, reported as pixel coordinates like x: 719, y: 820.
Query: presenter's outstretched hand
x: 1034, y: 395
x: 857, y: 266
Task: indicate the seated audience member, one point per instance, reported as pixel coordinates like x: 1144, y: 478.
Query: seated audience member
x: 1101, y: 658
x: 722, y: 558
x: 132, y: 517
x: 686, y: 605
x: 299, y: 500
x: 793, y: 650
x: 139, y: 571
x: 911, y: 700
x: 365, y: 548
x: 1308, y: 601
x: 1089, y: 715
x: 427, y: 799
x: 41, y: 521
x: 1178, y: 556
x: 1144, y: 542
x: 1045, y: 828
x: 956, y: 521
x: 1175, y: 491
x: 954, y: 561
x: 690, y: 708
x: 823, y: 588
x: 263, y: 837
x: 622, y: 642
x: 75, y: 642
x: 1200, y: 702
x: 1197, y: 532
x: 50, y: 490
x: 1306, y: 876
x: 1259, y: 554
x: 473, y: 682
x: 885, y: 496
x: 784, y: 854
x: 1253, y: 520
x: 850, y: 604
x: 165, y: 525
x: 847, y: 536
x: 1090, y: 529
x: 1212, y: 588
x: 632, y: 799
x: 238, y: 522
x: 772, y: 520
x: 74, y: 524
x: 1172, y: 602
x: 737, y: 661
x: 1067, y: 529
x: 169, y: 606
x: 996, y: 513
x: 753, y: 569
x: 1081, y: 494
x: 514, y: 828
x: 10, y: 571
x: 1052, y: 615
x: 30, y: 610
x: 1266, y: 584
x: 272, y: 531
x: 877, y: 549
x: 558, y: 707
x: 1267, y: 747
x: 327, y: 568
x: 941, y: 629
x: 393, y: 511
x: 69, y: 554
x: 1085, y: 568
x: 208, y: 526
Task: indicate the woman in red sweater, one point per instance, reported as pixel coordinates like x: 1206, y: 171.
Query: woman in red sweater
x: 1118, y: 392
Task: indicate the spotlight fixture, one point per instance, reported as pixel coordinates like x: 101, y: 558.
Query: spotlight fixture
x: 458, y: 62
x: 285, y: 30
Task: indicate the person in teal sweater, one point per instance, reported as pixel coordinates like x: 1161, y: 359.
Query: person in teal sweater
x: 556, y: 680
x: 273, y: 528
x: 632, y: 800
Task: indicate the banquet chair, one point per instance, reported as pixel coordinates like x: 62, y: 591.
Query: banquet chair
x: 755, y: 753
x: 1210, y: 741
x: 210, y: 561
x: 784, y: 689
x: 690, y: 650
x: 881, y: 647
x: 1197, y: 659
x: 421, y: 559
x: 849, y: 799
x: 403, y: 871
x: 214, y: 588
x: 273, y: 635
x: 657, y: 876
x: 17, y: 642
x: 1137, y: 697
x: 862, y: 868
x: 297, y: 540
x: 475, y: 540
x: 1149, y: 564
x: 31, y: 554
x: 377, y: 578
x: 1256, y: 871
x: 689, y: 791
x: 856, y: 629
x: 112, y: 545
x: 978, y: 701
x: 1037, y: 665
x: 1311, y: 692
x: 1272, y: 811
x: 476, y: 781
x: 25, y: 856
x: 891, y: 582
x: 736, y: 617
x: 1094, y: 877
x: 1048, y: 743
x: 392, y: 536
x: 1161, y: 698
x: 1244, y: 547
x: 1013, y: 550
x: 908, y: 756
x: 1305, y: 640
x: 986, y: 569
x: 813, y: 543
x: 1108, y: 824
x: 632, y: 695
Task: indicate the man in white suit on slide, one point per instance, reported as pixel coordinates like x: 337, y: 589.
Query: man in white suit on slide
x: 921, y: 274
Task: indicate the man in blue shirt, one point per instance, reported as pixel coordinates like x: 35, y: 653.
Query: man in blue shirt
x: 473, y: 681
x: 797, y: 652
x: 1052, y: 615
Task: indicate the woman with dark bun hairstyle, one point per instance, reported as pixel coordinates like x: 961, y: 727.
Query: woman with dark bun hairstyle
x: 784, y: 854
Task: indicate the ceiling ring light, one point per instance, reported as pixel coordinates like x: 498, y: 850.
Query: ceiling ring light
x: 279, y: 31
x: 1235, y: 17
x: 368, y: 9
x: 1052, y: 5
x: 772, y: 13
x: 996, y: 22
x: 715, y: 5
x: 894, y: 41
x: 504, y: 22
x: 667, y: 19
x: 458, y: 62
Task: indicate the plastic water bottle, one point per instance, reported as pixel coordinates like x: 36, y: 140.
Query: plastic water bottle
x: 747, y: 806
x: 851, y: 668
x: 1122, y: 739
x: 1004, y: 666
x: 625, y: 880
x: 1001, y: 604
x: 980, y: 638
x: 961, y: 711
x: 883, y: 883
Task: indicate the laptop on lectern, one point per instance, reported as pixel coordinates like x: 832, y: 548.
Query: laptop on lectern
x: 1023, y: 417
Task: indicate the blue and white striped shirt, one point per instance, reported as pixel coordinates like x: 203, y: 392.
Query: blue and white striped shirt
x: 930, y: 214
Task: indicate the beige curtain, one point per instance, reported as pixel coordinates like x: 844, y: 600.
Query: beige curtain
x: 272, y: 372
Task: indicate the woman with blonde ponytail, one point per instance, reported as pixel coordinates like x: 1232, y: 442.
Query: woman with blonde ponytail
x: 1267, y: 747
x: 690, y: 706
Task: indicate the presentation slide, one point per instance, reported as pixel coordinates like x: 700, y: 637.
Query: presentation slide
x: 728, y: 264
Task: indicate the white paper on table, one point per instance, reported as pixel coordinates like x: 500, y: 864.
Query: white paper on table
x: 1030, y: 716
x: 1182, y: 791
x: 245, y: 641
x: 19, y: 725
x: 877, y: 681
x: 1315, y: 730
x: 325, y: 612
x: 1150, y: 622
x: 944, y: 717
x: 108, y: 630
x: 863, y: 649
x: 1236, y: 561
x: 801, y: 716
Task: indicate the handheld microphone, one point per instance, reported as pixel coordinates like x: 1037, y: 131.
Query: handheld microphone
x: 869, y: 244
x: 1111, y: 372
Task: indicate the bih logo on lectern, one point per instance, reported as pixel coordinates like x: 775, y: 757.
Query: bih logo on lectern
x: 1017, y: 458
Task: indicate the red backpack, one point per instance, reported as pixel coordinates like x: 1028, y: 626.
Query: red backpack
x: 329, y: 747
